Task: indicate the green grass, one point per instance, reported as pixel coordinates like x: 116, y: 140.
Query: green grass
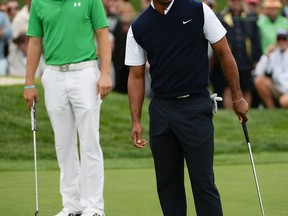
x: 267, y: 129
x: 132, y: 191
x: 144, y: 163
x: 129, y: 175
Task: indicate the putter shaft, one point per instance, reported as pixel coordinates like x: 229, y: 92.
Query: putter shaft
x: 33, y: 124
x: 253, y: 166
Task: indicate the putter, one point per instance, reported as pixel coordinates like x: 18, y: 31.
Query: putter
x: 253, y: 166
x: 33, y: 124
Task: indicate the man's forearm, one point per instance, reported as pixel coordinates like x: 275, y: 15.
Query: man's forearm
x: 33, y: 57
x: 229, y: 67
x: 136, y: 90
x: 231, y: 74
x: 104, y: 48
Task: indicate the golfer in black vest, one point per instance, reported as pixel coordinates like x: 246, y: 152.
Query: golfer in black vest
x: 173, y: 36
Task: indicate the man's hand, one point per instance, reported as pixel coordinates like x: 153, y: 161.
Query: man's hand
x: 30, y: 95
x: 136, y: 136
x: 104, y: 85
x: 241, y: 108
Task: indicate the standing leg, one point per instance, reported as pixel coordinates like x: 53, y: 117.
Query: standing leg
x: 62, y: 120
x: 193, y: 126
x: 200, y: 168
x: 168, y: 161
x: 86, y: 106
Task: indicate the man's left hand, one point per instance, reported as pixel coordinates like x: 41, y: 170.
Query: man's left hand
x: 104, y: 85
x: 241, y: 108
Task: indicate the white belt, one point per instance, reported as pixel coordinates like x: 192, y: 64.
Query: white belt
x: 73, y: 67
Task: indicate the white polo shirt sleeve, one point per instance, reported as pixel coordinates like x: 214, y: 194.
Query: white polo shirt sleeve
x: 135, y: 54
x: 213, y: 29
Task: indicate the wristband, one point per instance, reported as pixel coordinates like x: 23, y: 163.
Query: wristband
x: 236, y: 101
x: 29, y: 87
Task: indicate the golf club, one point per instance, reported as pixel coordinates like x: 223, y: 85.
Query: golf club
x: 253, y: 166
x: 33, y: 124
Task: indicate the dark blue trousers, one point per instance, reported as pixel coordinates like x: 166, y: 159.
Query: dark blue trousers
x: 182, y: 130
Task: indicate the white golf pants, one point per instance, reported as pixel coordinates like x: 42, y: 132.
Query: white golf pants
x: 73, y: 107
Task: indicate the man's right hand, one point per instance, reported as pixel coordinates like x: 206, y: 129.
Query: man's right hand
x: 136, y: 135
x: 30, y: 95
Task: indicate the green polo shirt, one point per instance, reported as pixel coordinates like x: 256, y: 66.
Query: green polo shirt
x: 67, y: 28
x: 268, y: 30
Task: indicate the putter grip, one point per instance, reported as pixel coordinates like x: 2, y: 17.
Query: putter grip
x: 33, y: 116
x: 245, y: 131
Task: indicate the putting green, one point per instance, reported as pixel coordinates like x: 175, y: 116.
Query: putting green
x: 132, y: 192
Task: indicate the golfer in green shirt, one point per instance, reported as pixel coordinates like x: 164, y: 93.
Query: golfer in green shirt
x: 74, y: 88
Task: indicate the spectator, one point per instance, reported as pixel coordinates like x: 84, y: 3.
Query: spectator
x: 285, y: 9
x: 21, y: 19
x: 211, y: 4
x: 118, y: 48
x: 18, y: 45
x: 113, y: 6
x: 271, y: 79
x: 253, y: 7
x: 243, y: 37
x: 12, y: 8
x: 17, y: 57
x: 127, y: 13
x: 19, y: 25
x: 144, y: 4
x: 5, y: 35
x: 3, y: 5
x: 118, y: 27
x: 269, y: 22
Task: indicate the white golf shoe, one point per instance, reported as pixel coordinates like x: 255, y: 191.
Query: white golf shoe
x: 90, y: 214
x: 65, y: 212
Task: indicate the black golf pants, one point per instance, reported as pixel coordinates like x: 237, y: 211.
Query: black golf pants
x: 182, y: 130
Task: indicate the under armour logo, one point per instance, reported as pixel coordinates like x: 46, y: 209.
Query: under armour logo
x: 77, y: 4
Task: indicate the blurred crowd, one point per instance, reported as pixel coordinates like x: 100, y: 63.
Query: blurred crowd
x: 257, y: 35
x: 13, y: 39
x: 257, y: 31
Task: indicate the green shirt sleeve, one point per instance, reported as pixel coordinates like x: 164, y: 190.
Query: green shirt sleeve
x: 98, y: 15
x: 35, y: 25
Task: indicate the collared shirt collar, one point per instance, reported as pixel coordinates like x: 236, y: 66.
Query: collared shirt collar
x: 167, y: 9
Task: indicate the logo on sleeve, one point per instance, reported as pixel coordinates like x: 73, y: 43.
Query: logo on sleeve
x: 77, y: 4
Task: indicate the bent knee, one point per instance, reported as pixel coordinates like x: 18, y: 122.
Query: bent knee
x: 261, y: 81
x: 283, y: 101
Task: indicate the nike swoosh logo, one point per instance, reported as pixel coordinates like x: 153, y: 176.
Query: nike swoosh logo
x: 185, y: 22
